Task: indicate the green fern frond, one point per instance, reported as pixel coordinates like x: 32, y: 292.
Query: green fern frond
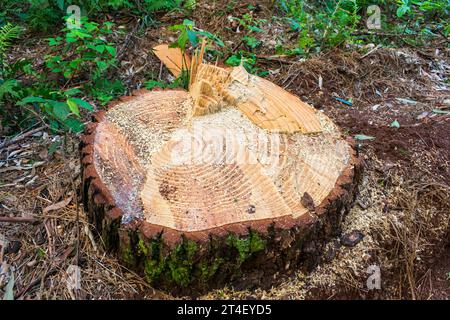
x: 7, y: 33
x: 156, y: 5
x: 8, y: 87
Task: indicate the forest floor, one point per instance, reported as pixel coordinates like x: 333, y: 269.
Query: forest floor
x: 399, y: 97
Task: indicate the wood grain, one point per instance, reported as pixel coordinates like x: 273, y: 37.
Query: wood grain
x: 216, y: 169
x: 172, y: 58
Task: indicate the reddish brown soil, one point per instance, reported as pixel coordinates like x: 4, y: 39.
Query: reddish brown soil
x: 438, y: 286
x: 376, y: 85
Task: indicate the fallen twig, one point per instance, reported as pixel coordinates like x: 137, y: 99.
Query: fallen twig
x: 57, y: 206
x: 277, y: 59
x: 50, y: 271
x: 371, y: 51
x: 387, y: 34
x: 21, y: 137
x: 121, y: 52
x: 17, y: 219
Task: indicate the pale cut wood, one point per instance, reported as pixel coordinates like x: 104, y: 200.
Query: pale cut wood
x: 239, y: 180
x: 172, y: 59
x: 264, y: 103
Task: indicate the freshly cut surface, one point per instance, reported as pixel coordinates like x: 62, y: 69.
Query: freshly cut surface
x: 197, y: 173
x: 172, y: 58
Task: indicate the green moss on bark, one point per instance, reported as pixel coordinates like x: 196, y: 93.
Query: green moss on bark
x: 176, y: 266
x: 186, y: 263
x: 246, y: 246
x: 208, y: 270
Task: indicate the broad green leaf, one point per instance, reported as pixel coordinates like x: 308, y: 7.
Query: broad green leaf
x: 83, y: 104
x: 54, y: 126
x: 192, y: 35
x: 54, y: 41
x: 182, y: 39
x: 233, y: 61
x: 91, y: 26
x: 102, y: 65
x: 111, y: 50
x: 70, y: 39
x: 73, y: 107
x: 74, y: 125
x: 28, y: 100
x: 75, y: 63
x: 188, y: 23
x: 402, y: 10
x: 211, y: 36
x: 100, y: 48
x: 67, y: 74
x: 176, y: 27
x: 60, y: 110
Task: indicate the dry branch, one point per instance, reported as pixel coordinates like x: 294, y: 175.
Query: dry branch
x: 17, y: 219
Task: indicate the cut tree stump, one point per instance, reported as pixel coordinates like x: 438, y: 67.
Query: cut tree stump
x: 235, y: 181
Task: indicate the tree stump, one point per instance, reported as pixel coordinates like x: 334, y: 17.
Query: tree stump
x: 235, y: 180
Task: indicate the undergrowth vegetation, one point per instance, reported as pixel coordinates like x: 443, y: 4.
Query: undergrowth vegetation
x: 78, y: 72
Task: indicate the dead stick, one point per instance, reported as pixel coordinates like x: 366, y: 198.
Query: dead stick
x: 277, y: 59
x: 18, y: 219
x: 21, y: 137
x: 35, y: 283
x: 51, y: 270
x: 371, y: 51
x: 399, y: 35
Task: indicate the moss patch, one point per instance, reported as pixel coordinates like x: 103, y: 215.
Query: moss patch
x: 176, y: 266
x: 186, y: 263
x: 246, y: 246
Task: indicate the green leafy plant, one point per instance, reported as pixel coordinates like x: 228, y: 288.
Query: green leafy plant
x: 321, y: 25
x: 249, y: 23
x: 80, y: 59
x: 61, y: 109
x: 86, y: 51
x: 8, y: 86
x: 177, y: 83
x: 8, y: 33
x: 423, y: 17
x: 251, y: 42
x: 188, y: 33
x: 248, y: 60
x: 404, y: 7
x: 45, y: 15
